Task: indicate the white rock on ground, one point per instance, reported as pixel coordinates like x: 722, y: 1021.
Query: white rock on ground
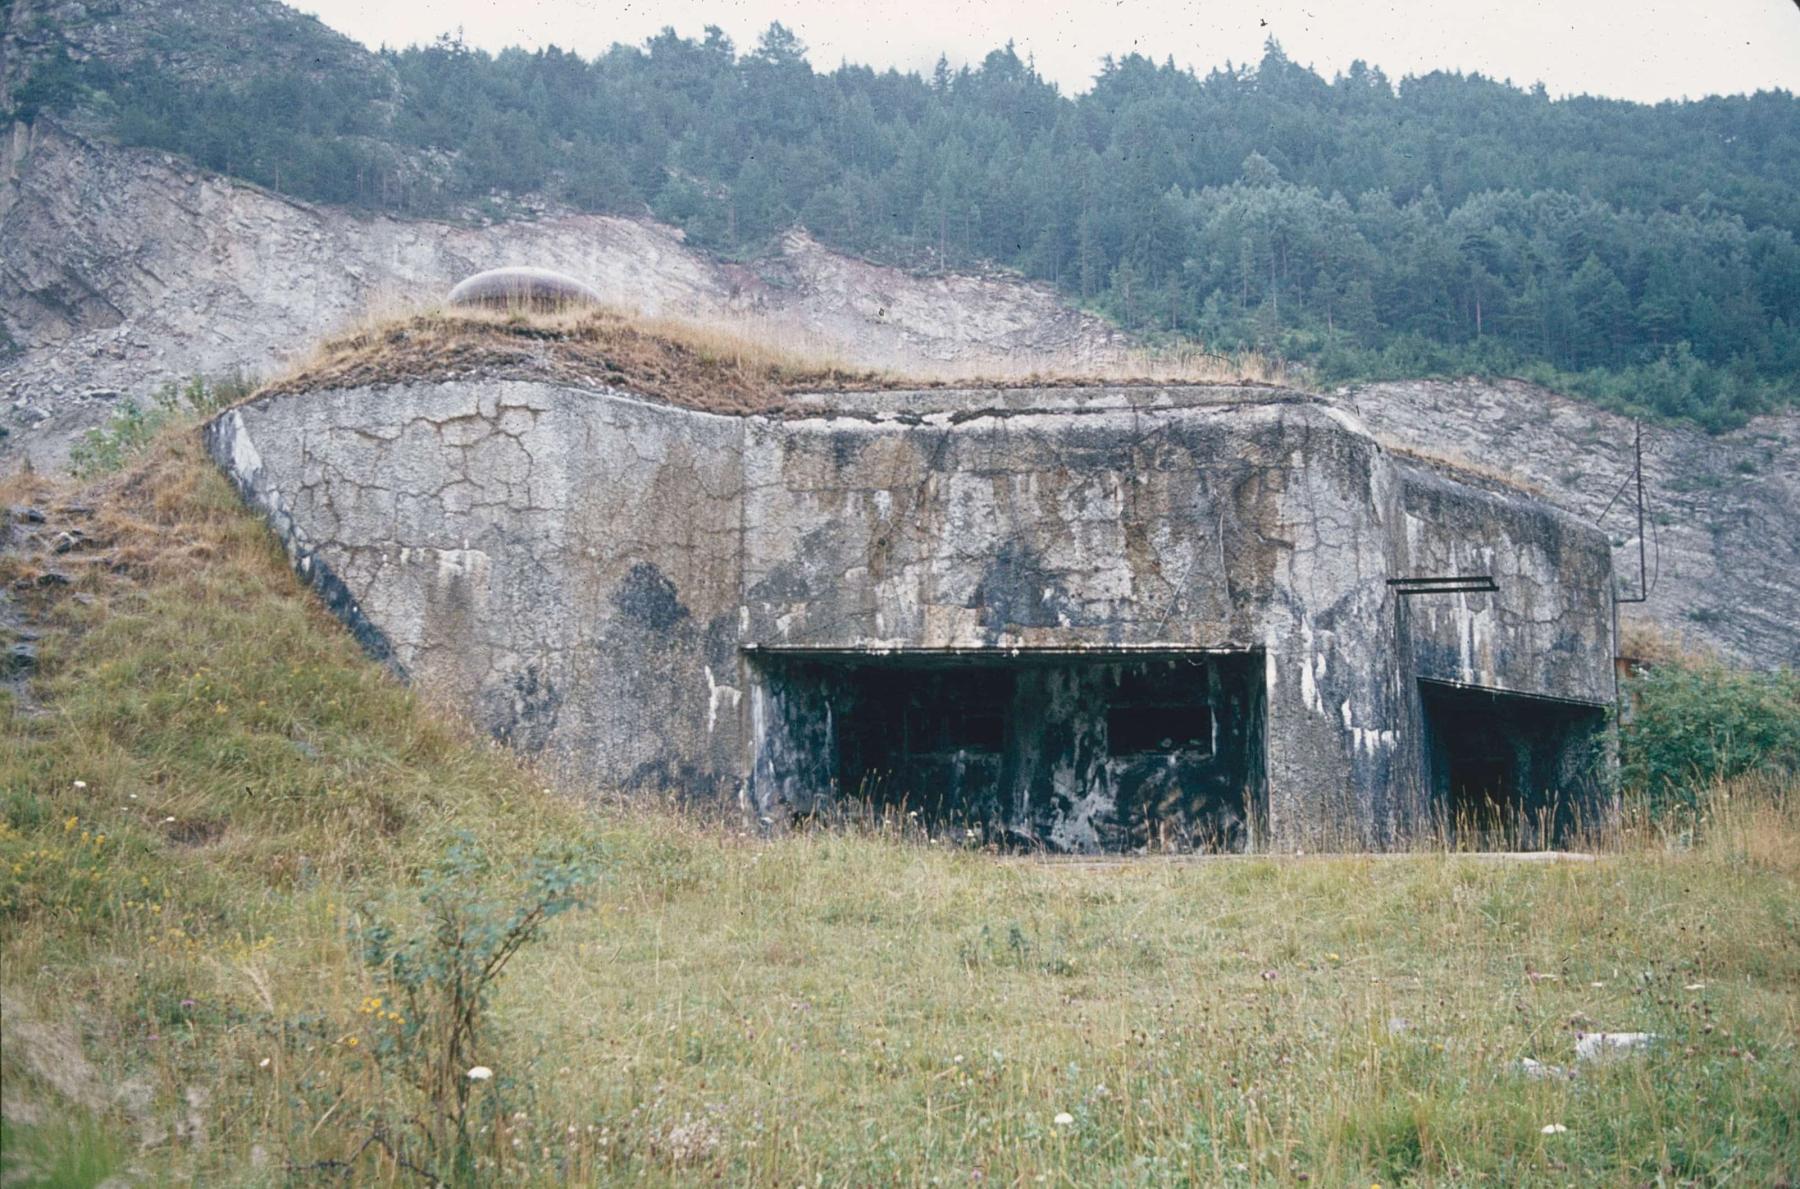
x: 1607, y: 1046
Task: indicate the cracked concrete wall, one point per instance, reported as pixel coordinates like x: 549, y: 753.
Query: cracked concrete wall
x: 563, y: 566
x: 594, y: 576
x: 1541, y: 633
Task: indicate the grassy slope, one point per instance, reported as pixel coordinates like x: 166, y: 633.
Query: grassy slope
x: 848, y: 1007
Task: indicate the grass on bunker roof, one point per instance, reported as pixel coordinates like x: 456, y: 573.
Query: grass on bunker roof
x: 205, y: 782
x: 746, y: 366
x: 682, y: 363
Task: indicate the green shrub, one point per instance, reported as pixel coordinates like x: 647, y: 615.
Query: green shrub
x: 427, y: 1030
x: 1692, y: 726
x: 132, y: 427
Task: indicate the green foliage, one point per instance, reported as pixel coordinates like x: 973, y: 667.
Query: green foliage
x: 1674, y: 386
x: 133, y: 427
x: 55, y: 83
x: 440, y: 976
x: 76, y: 1150
x: 1644, y: 255
x: 1693, y: 726
x: 126, y: 434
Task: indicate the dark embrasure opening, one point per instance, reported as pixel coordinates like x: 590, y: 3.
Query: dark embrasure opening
x: 1507, y: 770
x: 1082, y: 752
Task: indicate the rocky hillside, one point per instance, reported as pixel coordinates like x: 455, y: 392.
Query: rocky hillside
x: 124, y: 268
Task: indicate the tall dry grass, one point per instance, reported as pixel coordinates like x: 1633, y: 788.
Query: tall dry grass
x: 800, y: 355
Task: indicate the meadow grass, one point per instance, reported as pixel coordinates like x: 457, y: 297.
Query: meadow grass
x: 206, y: 787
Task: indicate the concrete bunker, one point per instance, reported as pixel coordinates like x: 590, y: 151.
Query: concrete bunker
x: 1089, y: 750
x: 1103, y: 618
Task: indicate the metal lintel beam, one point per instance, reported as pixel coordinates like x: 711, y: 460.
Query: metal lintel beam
x: 1445, y: 584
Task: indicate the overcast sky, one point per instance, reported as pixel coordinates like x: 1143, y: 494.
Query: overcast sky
x: 1632, y: 49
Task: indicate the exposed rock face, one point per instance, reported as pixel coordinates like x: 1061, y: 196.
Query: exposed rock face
x: 1724, y: 512
x: 1104, y: 618
x: 124, y: 268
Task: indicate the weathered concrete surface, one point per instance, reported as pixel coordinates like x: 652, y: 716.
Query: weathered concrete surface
x: 562, y: 564
x: 1535, y: 636
x: 635, y: 590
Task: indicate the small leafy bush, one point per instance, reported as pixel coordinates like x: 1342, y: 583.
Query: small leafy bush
x: 429, y: 1026
x: 1695, y: 725
x: 132, y: 426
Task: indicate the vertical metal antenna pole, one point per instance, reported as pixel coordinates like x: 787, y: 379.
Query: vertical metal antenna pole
x: 1643, y: 573
x: 1643, y: 590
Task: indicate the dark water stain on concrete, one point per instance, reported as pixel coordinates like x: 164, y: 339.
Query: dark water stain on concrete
x: 647, y: 597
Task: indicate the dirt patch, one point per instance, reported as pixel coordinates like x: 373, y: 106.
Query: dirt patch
x: 193, y: 831
x: 51, y: 1053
